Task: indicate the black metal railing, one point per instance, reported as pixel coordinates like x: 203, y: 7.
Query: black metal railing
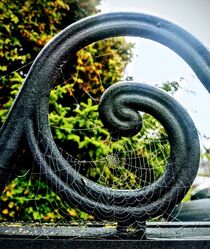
x: 119, y: 111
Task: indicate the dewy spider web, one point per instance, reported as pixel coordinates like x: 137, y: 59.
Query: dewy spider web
x: 127, y: 163
x: 121, y: 163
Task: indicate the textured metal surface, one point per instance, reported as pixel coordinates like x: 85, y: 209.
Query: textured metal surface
x: 165, y: 235
x: 154, y: 231
x: 28, y: 119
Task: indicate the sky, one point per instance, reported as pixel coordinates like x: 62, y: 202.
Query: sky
x: 154, y: 63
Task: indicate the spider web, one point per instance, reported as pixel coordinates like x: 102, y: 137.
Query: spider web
x: 125, y: 163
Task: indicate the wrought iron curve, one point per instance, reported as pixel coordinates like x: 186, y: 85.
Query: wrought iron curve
x: 28, y: 118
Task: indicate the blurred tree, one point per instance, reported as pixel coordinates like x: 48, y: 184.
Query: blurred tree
x: 25, y: 27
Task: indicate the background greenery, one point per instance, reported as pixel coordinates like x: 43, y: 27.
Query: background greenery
x: 25, y: 27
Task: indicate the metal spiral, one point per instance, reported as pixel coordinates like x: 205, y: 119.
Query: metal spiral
x: 27, y: 121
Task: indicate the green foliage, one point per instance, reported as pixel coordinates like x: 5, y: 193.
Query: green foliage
x: 31, y: 200
x: 171, y: 87
x: 25, y: 27
x: 206, y: 153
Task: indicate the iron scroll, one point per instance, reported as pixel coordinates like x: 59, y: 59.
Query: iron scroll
x: 28, y: 118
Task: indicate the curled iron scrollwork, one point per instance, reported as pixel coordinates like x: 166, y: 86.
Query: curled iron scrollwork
x: 119, y: 110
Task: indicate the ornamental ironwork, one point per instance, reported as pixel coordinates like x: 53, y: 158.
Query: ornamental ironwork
x: 119, y: 110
